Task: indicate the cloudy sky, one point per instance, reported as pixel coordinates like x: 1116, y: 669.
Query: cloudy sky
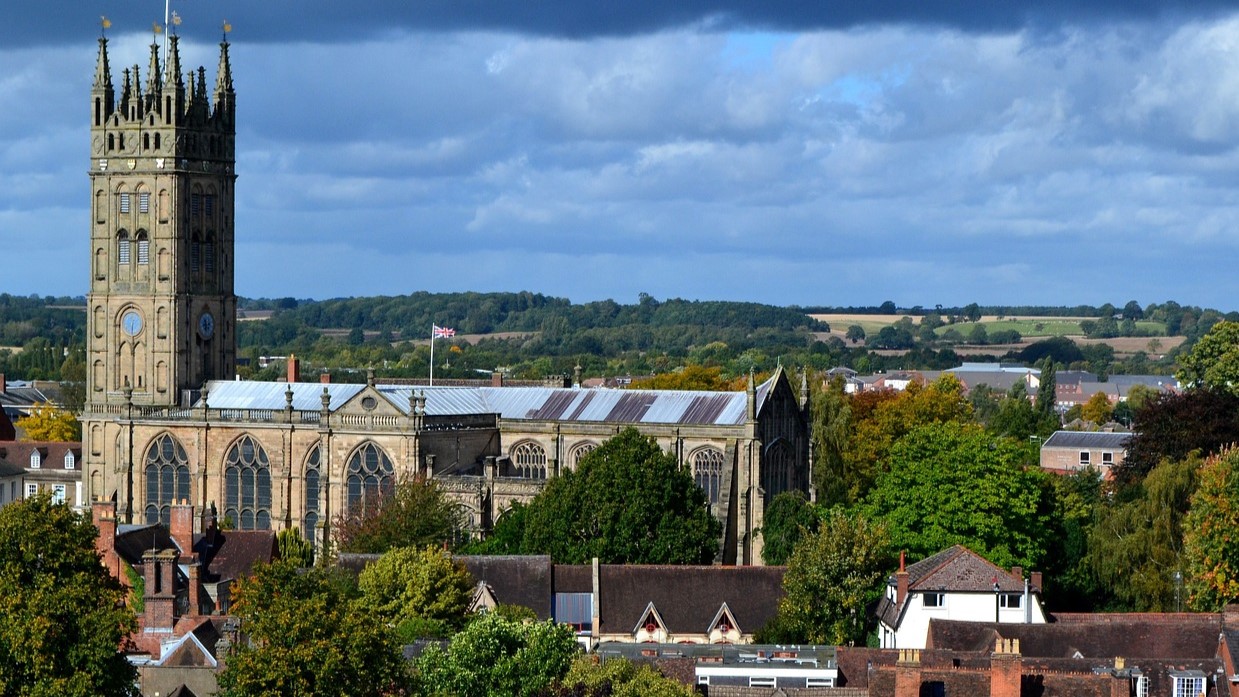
x: 925, y: 152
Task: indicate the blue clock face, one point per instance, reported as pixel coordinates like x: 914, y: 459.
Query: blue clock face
x: 206, y: 325
x: 131, y: 323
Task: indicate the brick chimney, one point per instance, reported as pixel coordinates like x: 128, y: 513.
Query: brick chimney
x: 294, y: 369
x: 181, y: 526
x: 1005, y: 668
x: 195, y: 597
x: 2, y: 387
x: 901, y: 580
x: 103, y: 514
x: 1018, y: 572
x: 1035, y: 579
x: 159, y: 572
x: 908, y: 673
x: 496, y: 379
x: 325, y: 378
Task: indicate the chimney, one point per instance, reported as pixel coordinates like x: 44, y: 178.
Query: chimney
x: 908, y: 673
x: 901, y: 580
x: 103, y: 513
x: 325, y: 378
x: 1036, y: 580
x: 195, y: 607
x: 159, y: 572
x: 1005, y: 668
x: 1017, y: 571
x: 294, y: 369
x: 2, y: 387
x: 181, y: 526
x: 496, y: 379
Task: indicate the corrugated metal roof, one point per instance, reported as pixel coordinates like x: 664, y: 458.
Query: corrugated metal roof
x: 440, y: 401
x: 307, y: 396
x: 1087, y: 439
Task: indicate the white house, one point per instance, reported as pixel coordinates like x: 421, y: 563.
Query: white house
x: 954, y: 584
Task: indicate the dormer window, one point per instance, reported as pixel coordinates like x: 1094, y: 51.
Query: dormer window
x: 36, y: 460
x: 70, y: 462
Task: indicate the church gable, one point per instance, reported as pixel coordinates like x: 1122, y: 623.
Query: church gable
x: 370, y: 402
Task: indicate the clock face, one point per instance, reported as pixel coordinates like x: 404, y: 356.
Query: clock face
x: 131, y: 323
x: 206, y: 325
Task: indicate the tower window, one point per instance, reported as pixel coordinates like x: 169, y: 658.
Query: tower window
x: 195, y: 203
x: 210, y: 205
x: 122, y: 248
x: 144, y: 249
x: 144, y: 202
x: 195, y: 256
x: 210, y: 257
x: 124, y: 202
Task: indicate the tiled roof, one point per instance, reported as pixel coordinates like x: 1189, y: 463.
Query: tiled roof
x: 959, y: 569
x: 1087, y: 440
x: 1131, y: 635
x: 515, y: 580
x: 51, y: 453
x: 232, y: 554
x: 574, y: 578
x: 688, y: 597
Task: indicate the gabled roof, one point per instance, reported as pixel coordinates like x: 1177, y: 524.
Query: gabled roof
x: 523, y: 580
x: 51, y: 453
x: 1087, y: 440
x: 688, y: 597
x: 955, y: 569
x: 1167, y: 636
x: 232, y: 554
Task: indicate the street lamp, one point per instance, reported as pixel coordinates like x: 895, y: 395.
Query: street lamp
x: 996, y: 601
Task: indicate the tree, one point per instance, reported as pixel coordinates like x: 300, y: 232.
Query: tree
x: 493, y: 656
x: 788, y: 519
x: 856, y: 333
x: 954, y: 483
x: 63, y: 613
x: 832, y: 577
x: 1214, y: 360
x: 690, y: 377
x: 1098, y: 408
x: 831, y: 413
x: 420, y: 592
x: 1173, y: 425
x: 294, y: 548
x: 1016, y: 417
x: 593, y: 512
x: 48, y: 423
x: 1132, y: 310
x: 1047, y: 394
x: 1136, y: 545
x: 972, y: 312
x: 415, y: 514
x: 1209, y: 550
x: 616, y: 677
x: 305, y: 636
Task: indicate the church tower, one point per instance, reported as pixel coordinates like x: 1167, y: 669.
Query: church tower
x: 162, y: 306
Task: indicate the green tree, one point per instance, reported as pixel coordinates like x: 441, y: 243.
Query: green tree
x: 1077, y: 498
x: 420, y: 592
x: 690, y: 377
x: 1209, y: 550
x: 1176, y: 424
x: 294, y: 548
x: 415, y: 514
x: 495, y: 657
x: 48, y: 423
x: 787, y: 519
x: 955, y: 483
x: 1137, y: 543
x: 73, y: 380
x: 592, y: 512
x: 63, y: 613
x: 1098, y: 408
x: 832, y: 577
x: 304, y: 635
x: 1016, y: 417
x: 831, y: 414
x: 1214, y: 360
x: 616, y: 677
x: 855, y: 333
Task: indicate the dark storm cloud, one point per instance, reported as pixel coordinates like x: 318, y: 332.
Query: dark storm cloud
x: 28, y: 23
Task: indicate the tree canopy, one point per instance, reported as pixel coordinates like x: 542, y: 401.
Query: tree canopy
x: 952, y: 483
x: 1214, y: 360
x: 304, y: 636
x: 421, y: 592
x: 48, y: 423
x: 1209, y: 550
x: 1175, y: 424
x: 788, y: 519
x: 63, y: 615
x: 415, y: 513
x: 592, y: 511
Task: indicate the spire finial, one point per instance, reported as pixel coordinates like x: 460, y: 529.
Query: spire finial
x: 227, y: 29
x: 104, y: 25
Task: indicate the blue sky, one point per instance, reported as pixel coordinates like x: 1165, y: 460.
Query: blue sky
x: 790, y: 153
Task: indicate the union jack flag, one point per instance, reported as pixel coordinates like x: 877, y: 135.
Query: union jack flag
x: 443, y: 332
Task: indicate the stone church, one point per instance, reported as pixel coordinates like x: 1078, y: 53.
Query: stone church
x: 166, y: 422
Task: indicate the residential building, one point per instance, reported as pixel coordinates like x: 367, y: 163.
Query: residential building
x: 1066, y: 452
x: 48, y: 467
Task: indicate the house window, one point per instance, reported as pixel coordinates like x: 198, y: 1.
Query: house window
x: 529, y: 460
x: 36, y: 460
x: 1107, y: 459
x: 144, y: 202
x: 32, y: 490
x: 1084, y: 458
x: 761, y: 682
x: 819, y: 682
x: 576, y: 609
x: 209, y: 253
x: 58, y: 493
x: 934, y: 599
x: 247, y: 485
x: 1010, y: 601
x: 1189, y: 686
x: 1140, y: 686
x: 124, y: 203
x: 708, y: 472
x: 370, y: 478
x: 70, y: 462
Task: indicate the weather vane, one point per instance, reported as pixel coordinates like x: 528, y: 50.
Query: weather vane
x: 227, y: 28
x: 104, y: 23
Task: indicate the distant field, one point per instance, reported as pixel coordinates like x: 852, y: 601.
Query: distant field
x: 14, y: 349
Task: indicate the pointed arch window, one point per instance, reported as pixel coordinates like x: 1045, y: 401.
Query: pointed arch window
x: 122, y: 247
x: 124, y: 200
x: 529, y: 460
x: 195, y: 255
x: 708, y: 472
x: 247, y: 485
x: 370, y: 478
x: 776, y: 469
x: 144, y: 248
x: 580, y: 451
x: 144, y: 202
x: 313, y: 493
x: 167, y: 478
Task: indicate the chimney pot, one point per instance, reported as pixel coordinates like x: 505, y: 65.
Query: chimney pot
x: 325, y: 378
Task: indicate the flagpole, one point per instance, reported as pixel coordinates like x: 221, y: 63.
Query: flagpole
x: 432, y: 354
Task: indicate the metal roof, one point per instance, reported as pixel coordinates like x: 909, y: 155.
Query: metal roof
x: 1087, y: 439
x: 533, y: 403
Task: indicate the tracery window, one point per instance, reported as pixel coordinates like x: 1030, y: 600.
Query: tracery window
x: 370, y: 478
x: 313, y: 494
x: 708, y: 472
x: 581, y: 451
x: 529, y: 460
x: 167, y: 478
x: 776, y: 468
x: 247, y: 485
